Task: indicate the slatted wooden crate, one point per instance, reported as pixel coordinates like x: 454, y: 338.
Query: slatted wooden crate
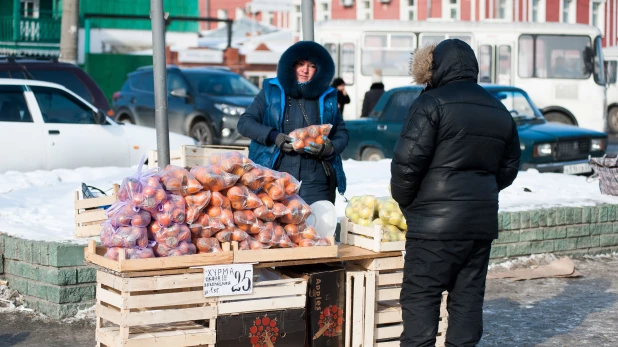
x: 283, y: 254
x: 382, y: 325
x: 95, y: 255
x: 367, y: 237
x: 190, y: 156
x: 154, y: 310
x: 89, y: 213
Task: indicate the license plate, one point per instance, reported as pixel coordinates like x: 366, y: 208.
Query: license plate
x: 577, y: 169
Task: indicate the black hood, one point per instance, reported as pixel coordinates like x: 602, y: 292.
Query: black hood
x: 315, y: 53
x: 453, y: 60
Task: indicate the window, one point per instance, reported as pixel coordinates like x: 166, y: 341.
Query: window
x: 526, y: 56
x: 517, y: 104
x: 30, y: 8
x: 597, y: 15
x: 611, y: 71
x: 347, y: 63
x: 437, y: 38
x: 175, y: 81
x: 364, y: 9
x: 388, y: 52
x: 537, y: 11
x: 503, y: 9
x: 504, y: 65
x: 240, y: 13
x: 4, y: 74
x: 554, y: 56
x: 221, y: 84
x: 332, y: 50
x: 143, y: 82
x: 297, y: 22
x: 598, y: 68
x: 568, y: 11
x: 18, y: 75
x: 323, y: 11
x: 398, y: 106
x: 485, y: 63
x: 13, y: 107
x: 221, y: 14
x: 268, y: 17
x: 408, y: 10
x: 450, y: 9
x: 66, y: 78
x: 59, y: 107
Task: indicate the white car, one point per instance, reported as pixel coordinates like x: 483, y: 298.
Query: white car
x: 44, y: 126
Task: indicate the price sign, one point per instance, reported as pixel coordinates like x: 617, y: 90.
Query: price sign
x: 225, y: 280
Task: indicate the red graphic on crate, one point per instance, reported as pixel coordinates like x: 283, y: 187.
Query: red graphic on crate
x: 264, y: 332
x: 331, y: 320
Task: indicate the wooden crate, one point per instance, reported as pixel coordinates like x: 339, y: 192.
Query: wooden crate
x: 354, y: 307
x: 89, y: 213
x: 270, y: 295
x: 154, y: 310
x: 95, y: 255
x: 367, y: 237
x: 382, y: 326
x: 190, y: 156
x: 284, y: 254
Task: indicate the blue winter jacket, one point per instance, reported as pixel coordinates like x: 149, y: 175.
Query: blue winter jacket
x: 257, y: 126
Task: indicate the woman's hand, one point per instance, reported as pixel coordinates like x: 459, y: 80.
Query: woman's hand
x: 284, y: 142
x: 320, y: 150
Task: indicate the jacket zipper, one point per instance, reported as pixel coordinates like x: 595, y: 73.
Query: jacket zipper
x: 287, y: 116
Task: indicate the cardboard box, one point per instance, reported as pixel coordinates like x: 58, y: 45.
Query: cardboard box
x: 325, y: 303
x: 283, y: 328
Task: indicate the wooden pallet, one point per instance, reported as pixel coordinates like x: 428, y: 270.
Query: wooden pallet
x: 382, y: 325
x: 159, y: 310
x: 190, y: 156
x: 367, y: 237
x: 95, y: 255
x: 284, y: 254
x: 89, y: 213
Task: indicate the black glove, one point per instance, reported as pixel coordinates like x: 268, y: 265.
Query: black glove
x: 284, y: 142
x: 320, y: 150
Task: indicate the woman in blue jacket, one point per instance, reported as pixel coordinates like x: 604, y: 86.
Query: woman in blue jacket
x: 300, y: 96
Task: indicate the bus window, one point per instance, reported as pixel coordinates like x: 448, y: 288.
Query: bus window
x: 466, y: 39
x: 347, y: 63
x: 387, y: 52
x: 431, y: 39
x: 526, y: 51
x: 611, y: 71
x: 332, y: 49
x: 504, y: 65
x: 562, y: 56
x: 485, y: 63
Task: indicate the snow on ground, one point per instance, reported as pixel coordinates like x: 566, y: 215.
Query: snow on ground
x: 39, y: 205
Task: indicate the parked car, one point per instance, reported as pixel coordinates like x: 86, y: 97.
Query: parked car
x: 46, y: 126
x: 50, y: 70
x: 547, y: 147
x: 204, y: 103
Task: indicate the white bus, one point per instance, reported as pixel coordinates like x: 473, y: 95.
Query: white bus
x: 559, y: 65
x: 610, y: 55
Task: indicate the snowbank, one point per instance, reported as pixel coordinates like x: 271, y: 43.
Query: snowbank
x: 39, y: 205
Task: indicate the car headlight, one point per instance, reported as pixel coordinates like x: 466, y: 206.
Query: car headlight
x: 597, y: 145
x: 230, y: 109
x: 543, y: 150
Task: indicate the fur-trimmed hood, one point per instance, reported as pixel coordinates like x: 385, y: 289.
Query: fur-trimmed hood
x: 437, y: 65
x: 315, y: 53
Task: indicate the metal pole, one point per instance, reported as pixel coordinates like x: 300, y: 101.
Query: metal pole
x: 307, y: 14
x: 160, y: 82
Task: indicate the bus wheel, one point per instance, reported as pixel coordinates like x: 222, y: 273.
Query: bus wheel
x: 557, y: 117
x: 612, y: 120
x: 372, y: 154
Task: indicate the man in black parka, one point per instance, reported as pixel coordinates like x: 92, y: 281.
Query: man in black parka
x: 458, y: 148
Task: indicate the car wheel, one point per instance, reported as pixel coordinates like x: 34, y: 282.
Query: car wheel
x: 124, y: 119
x: 202, y: 133
x: 557, y: 117
x: 372, y: 154
x: 612, y: 120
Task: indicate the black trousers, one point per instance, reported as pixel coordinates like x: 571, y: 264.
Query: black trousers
x: 431, y: 267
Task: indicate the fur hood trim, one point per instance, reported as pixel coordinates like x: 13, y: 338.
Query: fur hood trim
x: 422, y: 64
x: 315, y: 53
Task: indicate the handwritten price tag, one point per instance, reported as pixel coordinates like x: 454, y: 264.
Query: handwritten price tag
x: 225, y: 280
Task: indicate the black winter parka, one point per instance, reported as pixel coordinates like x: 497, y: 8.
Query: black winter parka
x: 458, y: 148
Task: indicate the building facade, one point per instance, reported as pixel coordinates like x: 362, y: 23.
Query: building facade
x: 600, y: 13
